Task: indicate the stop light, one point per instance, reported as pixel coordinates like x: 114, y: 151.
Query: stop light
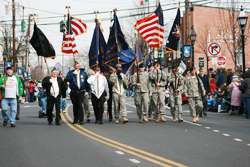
x: 169, y: 59
x: 62, y: 26
x: 23, y: 26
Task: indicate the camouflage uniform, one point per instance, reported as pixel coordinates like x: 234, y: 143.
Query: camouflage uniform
x: 141, y: 93
x: 119, y: 97
x: 194, y: 95
x: 175, y: 100
x: 159, y: 95
x: 86, y: 105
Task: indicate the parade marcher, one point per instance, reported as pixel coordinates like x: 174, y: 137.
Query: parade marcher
x: 55, y: 88
x: 152, y: 86
x: 11, y: 89
x: 109, y: 108
x: 119, y: 81
x: 98, y: 85
x: 194, y: 90
x: 205, y: 80
x: 159, y: 79
x: 79, y: 86
x: 176, y: 82
x: 63, y: 102
x: 141, y: 83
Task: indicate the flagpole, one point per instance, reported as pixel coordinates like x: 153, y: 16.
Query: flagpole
x: 136, y: 40
x: 158, y: 61
x: 97, y: 24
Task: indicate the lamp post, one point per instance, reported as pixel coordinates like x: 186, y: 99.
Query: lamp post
x: 192, y: 38
x: 4, y: 60
x: 242, y: 20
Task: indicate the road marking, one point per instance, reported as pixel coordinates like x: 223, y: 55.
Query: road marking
x: 26, y: 106
x: 207, y: 127
x: 119, y: 152
x: 225, y: 134
x: 130, y: 105
x: 216, y: 130
x: 248, y: 144
x: 236, y: 139
x: 185, y: 121
x: 126, y: 147
x: 135, y: 161
x: 129, y: 111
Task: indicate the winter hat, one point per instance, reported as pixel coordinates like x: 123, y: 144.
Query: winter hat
x: 235, y: 77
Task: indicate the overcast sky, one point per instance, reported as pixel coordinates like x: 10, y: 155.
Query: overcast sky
x: 56, y: 8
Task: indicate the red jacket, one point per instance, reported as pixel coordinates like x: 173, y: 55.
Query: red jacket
x: 212, y: 85
x: 31, y: 87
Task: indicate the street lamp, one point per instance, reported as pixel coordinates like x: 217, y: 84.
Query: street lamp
x: 4, y: 60
x: 192, y: 38
x: 242, y: 20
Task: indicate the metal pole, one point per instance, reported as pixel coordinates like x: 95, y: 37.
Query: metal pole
x: 192, y: 43
x: 243, y: 49
x: 4, y: 61
x: 14, y: 35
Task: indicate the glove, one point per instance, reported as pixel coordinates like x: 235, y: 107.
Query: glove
x: 86, y: 94
x: 75, y: 72
x: 97, y: 73
x: 63, y: 99
x: 119, y: 76
x: 107, y: 97
x: 51, y: 80
x: 118, y: 72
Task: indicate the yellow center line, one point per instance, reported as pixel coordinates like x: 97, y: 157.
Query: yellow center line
x: 119, y: 144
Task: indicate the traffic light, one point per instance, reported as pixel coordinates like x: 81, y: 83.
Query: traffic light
x: 23, y: 26
x: 169, y: 59
x: 62, y: 26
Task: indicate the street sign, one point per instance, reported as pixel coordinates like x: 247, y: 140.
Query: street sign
x: 201, y: 62
x: 20, y: 71
x: 25, y: 74
x: 186, y: 51
x: 213, y: 49
x: 221, y: 61
x: 9, y: 64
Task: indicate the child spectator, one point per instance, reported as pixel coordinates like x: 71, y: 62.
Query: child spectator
x: 227, y: 100
x: 212, y: 86
x: 167, y: 97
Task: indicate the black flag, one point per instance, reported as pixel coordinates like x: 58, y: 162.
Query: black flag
x: 41, y: 44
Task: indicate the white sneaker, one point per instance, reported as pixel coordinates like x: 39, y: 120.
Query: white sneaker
x: 166, y: 106
x: 64, y: 111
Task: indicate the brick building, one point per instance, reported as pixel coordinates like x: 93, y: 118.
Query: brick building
x: 216, y: 25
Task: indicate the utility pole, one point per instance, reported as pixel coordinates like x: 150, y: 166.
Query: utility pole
x: 27, y: 47
x: 14, y: 35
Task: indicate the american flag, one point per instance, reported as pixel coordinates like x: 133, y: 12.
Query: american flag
x: 151, y: 28
x: 74, y: 27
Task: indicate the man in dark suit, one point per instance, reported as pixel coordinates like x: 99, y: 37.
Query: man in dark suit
x: 55, y: 88
x: 205, y: 80
x: 78, y: 84
x: 109, y: 109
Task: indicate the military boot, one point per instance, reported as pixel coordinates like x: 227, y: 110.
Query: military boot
x: 145, y: 118
x: 197, y: 118
x: 194, y: 119
x: 88, y: 119
x: 230, y: 112
x: 174, y: 119
x: 179, y: 117
x: 124, y: 120
x: 140, y: 120
x: 150, y: 117
x: 236, y: 112
x: 156, y: 118
x: 117, y: 121
x: 162, y: 118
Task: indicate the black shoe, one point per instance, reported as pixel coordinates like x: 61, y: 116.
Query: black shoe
x: 110, y: 119
x: 96, y: 121
x: 17, y: 118
x: 81, y: 123
x: 58, y: 123
x: 205, y: 114
x: 12, y: 125
x: 100, y: 122
x: 5, y: 122
x: 49, y: 123
x: 74, y: 122
x: 200, y: 115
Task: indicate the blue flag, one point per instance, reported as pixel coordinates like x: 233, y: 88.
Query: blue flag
x: 117, y: 49
x: 149, y: 60
x: 97, y: 51
x: 138, y: 52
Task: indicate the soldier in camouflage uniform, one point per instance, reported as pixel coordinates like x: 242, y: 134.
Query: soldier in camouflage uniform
x: 176, y: 82
x: 119, y: 81
x: 141, y: 92
x: 158, y: 92
x: 194, y: 94
x: 151, y: 87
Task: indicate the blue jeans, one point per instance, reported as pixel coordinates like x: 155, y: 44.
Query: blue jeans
x: 133, y: 91
x: 247, y: 109
x: 28, y: 97
x: 44, y: 103
x: 244, y: 101
x: 63, y: 104
x: 12, y: 103
x: 233, y: 108
x: 166, y: 100
x: 127, y: 93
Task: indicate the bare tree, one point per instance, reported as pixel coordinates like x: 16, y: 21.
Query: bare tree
x: 229, y: 25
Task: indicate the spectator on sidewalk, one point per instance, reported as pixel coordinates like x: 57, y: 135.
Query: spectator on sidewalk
x: 219, y: 78
x: 246, y: 88
x: 205, y: 80
x: 236, y: 95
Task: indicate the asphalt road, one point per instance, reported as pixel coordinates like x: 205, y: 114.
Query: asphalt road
x: 218, y: 140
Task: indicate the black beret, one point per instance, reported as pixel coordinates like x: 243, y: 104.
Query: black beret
x: 174, y: 66
x: 155, y: 63
x: 192, y: 68
x: 210, y: 69
x: 141, y: 65
x: 150, y: 65
x: 9, y: 68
